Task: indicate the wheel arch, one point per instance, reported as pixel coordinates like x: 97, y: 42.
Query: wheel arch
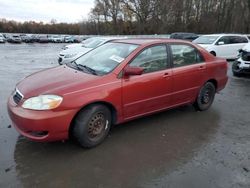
x: 213, y: 53
x: 213, y: 81
x: 110, y: 106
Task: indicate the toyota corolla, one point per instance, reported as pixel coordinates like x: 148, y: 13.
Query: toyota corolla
x: 116, y: 82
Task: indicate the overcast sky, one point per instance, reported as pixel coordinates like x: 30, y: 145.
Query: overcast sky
x: 45, y: 10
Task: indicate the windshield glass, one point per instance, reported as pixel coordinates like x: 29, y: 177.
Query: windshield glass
x: 106, y: 57
x: 87, y: 40
x: 94, y: 43
x: 205, y: 40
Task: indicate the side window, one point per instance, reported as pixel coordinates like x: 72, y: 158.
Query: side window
x: 185, y: 55
x: 152, y: 59
x: 225, y: 40
x: 238, y: 39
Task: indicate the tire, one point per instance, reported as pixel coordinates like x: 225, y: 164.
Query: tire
x: 235, y: 69
x: 205, y: 97
x: 213, y: 53
x: 91, y: 126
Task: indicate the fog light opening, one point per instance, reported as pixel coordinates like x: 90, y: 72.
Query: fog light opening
x: 38, y: 133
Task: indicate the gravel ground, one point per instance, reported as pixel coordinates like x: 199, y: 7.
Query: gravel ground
x: 176, y: 148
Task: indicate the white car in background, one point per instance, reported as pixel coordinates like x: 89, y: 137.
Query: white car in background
x: 78, y: 44
x: 223, y: 45
x: 57, y: 39
x: 77, y: 50
x: 2, y: 38
x: 242, y: 65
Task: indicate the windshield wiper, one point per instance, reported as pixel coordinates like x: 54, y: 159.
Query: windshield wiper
x: 92, y: 71
x: 83, y: 68
x: 75, y: 65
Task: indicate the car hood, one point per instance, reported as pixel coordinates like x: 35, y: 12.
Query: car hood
x: 73, y: 45
x: 75, y: 50
x: 58, y: 80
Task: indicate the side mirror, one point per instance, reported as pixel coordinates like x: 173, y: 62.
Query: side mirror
x: 221, y: 43
x: 129, y: 71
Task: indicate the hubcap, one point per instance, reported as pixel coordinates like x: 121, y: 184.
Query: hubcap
x: 206, y: 96
x: 96, y: 125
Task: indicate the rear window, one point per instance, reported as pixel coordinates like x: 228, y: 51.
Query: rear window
x: 238, y: 39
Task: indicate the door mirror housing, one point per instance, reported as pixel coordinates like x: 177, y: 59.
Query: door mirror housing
x: 129, y: 71
x: 221, y: 43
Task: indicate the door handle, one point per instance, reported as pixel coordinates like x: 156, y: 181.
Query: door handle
x: 165, y: 75
x: 202, y: 67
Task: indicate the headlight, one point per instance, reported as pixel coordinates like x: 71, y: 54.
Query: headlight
x: 70, y: 55
x: 42, y: 102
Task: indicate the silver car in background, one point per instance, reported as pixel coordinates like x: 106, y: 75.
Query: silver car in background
x: 74, y: 51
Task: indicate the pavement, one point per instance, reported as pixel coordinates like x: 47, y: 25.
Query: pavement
x: 178, y: 148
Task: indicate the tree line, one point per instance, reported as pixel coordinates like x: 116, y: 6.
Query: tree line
x: 150, y: 17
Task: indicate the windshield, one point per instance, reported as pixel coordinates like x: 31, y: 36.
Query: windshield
x: 106, y: 57
x: 94, y: 43
x: 87, y: 40
x: 205, y: 40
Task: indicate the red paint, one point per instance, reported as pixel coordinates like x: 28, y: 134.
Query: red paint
x: 131, y: 94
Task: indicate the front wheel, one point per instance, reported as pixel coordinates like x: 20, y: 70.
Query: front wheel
x: 92, y: 125
x: 205, y: 97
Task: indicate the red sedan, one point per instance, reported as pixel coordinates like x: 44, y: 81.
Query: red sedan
x: 117, y: 82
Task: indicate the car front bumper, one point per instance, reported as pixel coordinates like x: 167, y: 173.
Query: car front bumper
x: 40, y: 126
x: 242, y: 68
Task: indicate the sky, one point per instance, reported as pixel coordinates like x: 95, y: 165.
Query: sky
x: 69, y: 11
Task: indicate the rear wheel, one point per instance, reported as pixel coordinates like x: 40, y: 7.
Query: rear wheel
x: 205, y: 97
x: 92, y: 125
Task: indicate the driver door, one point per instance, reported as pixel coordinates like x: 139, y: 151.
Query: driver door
x: 149, y: 92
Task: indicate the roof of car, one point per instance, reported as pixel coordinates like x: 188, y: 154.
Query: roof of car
x: 107, y: 38
x: 224, y: 34
x: 141, y: 41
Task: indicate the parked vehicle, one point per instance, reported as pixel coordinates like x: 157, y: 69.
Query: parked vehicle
x: 113, y: 83
x: 27, y: 39
x: 35, y: 38
x: 184, y: 36
x: 223, y: 45
x: 79, y: 39
x: 84, y: 42
x: 14, y: 39
x: 242, y: 65
x: 57, y: 39
x: 43, y: 39
x: 69, y: 39
x: 2, y: 38
x: 70, y: 54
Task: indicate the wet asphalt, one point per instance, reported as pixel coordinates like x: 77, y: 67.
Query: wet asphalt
x: 177, y: 148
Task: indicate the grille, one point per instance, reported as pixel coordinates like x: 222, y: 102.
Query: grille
x: 17, y: 97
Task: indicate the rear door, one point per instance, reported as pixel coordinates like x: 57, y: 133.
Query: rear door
x: 230, y: 46
x: 149, y: 92
x: 189, y: 73
x: 223, y: 47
